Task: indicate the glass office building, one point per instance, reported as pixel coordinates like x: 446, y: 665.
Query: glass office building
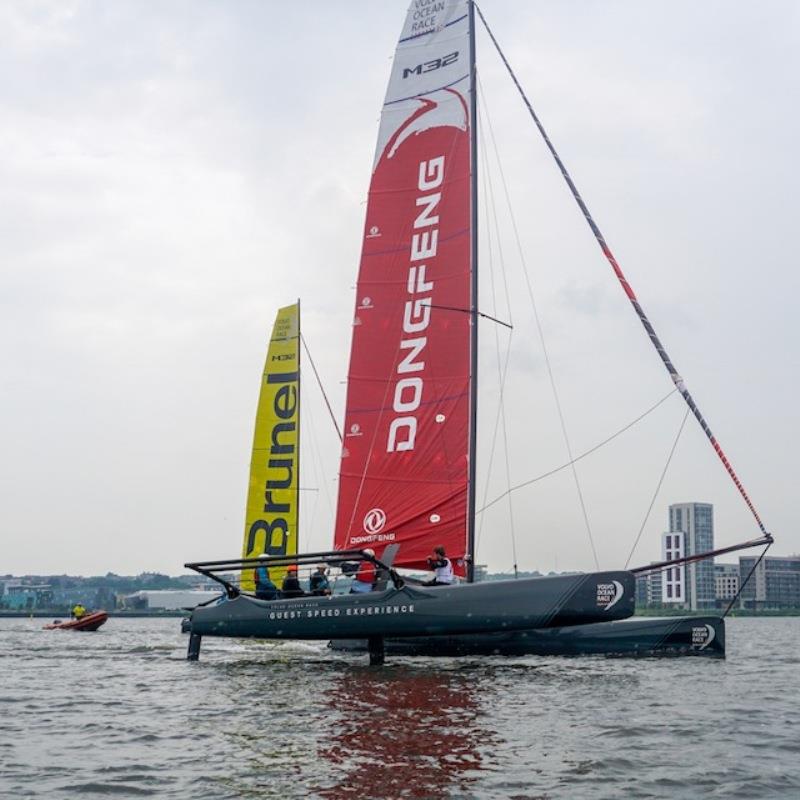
x: 696, y: 522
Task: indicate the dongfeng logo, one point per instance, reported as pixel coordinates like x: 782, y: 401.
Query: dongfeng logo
x: 609, y: 594
x: 374, y: 520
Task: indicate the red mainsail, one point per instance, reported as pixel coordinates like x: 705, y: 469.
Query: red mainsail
x: 405, y: 459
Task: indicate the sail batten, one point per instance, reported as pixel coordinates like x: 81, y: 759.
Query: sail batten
x: 405, y: 459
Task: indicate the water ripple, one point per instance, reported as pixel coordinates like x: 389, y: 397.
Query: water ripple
x: 121, y: 713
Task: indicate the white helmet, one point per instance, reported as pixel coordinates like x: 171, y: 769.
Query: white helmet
x: 369, y: 552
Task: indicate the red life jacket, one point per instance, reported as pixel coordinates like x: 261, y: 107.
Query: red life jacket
x: 366, y: 572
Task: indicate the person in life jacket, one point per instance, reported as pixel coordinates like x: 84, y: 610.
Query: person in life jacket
x: 365, y: 578
x: 442, y: 568
x: 291, y: 584
x: 319, y: 583
x: 265, y: 588
x: 78, y: 611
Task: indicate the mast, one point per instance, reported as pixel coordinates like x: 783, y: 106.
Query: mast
x: 473, y: 385
x: 297, y: 456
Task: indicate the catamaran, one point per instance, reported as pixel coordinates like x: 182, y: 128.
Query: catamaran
x: 408, y: 463
x: 396, y: 607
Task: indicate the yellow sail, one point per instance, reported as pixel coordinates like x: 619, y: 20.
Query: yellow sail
x: 272, y: 499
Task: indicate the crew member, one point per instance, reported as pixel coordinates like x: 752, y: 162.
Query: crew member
x: 265, y: 588
x: 291, y: 584
x: 365, y: 578
x: 78, y: 611
x: 442, y: 568
x: 319, y: 584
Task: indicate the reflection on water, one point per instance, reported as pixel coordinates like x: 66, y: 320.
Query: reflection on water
x: 348, y: 730
x: 402, y: 732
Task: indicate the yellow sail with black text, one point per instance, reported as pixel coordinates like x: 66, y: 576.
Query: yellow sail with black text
x: 272, y: 499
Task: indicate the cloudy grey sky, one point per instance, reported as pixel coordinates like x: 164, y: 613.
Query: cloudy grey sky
x: 171, y: 173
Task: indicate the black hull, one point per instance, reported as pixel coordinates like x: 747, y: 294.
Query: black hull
x: 638, y: 637
x: 416, y: 611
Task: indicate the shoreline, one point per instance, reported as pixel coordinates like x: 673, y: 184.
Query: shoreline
x: 60, y: 613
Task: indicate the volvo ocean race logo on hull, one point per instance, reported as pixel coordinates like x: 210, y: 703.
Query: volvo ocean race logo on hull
x: 609, y: 594
x: 702, y: 636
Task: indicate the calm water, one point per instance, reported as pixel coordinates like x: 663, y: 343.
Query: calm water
x: 121, y: 713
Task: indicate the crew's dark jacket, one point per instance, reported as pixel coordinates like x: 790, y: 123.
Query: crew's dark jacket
x: 291, y: 586
x: 319, y: 583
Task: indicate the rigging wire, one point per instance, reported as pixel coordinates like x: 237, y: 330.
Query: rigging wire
x: 473, y: 311
x: 318, y: 466
x: 746, y: 580
x: 583, y: 455
x: 606, y: 250
x: 321, y: 387
x: 658, y: 487
x: 491, y: 456
x: 494, y: 438
x: 489, y: 203
x: 540, y: 329
x: 500, y: 375
x: 317, y: 461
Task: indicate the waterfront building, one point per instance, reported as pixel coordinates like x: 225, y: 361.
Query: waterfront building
x: 167, y: 599
x: 26, y: 596
x: 673, y: 579
x: 726, y: 581
x: 649, y: 589
x: 656, y: 588
x: 696, y: 522
x: 642, y: 587
x: 775, y: 583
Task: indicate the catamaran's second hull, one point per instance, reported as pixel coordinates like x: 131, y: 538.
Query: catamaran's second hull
x: 635, y: 637
x: 555, y: 601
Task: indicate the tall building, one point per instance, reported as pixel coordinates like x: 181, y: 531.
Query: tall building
x: 696, y: 522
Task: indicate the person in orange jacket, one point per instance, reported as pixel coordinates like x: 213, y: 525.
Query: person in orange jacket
x: 366, y: 576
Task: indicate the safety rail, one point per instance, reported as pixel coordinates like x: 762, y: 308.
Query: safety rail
x: 210, y: 569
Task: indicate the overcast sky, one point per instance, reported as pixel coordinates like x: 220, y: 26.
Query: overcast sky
x: 171, y: 173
